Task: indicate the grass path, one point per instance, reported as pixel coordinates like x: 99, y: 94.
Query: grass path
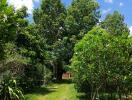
x: 61, y: 91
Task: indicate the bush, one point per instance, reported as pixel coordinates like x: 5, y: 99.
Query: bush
x: 102, y: 63
x: 34, y: 76
x: 10, y: 91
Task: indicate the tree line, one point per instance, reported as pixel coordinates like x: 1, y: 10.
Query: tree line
x: 60, y: 39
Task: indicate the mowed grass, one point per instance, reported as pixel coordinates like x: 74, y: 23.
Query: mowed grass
x: 60, y: 91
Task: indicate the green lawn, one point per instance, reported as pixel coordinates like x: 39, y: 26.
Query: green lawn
x: 60, y: 91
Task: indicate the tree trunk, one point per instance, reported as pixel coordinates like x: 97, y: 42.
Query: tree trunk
x: 58, y: 70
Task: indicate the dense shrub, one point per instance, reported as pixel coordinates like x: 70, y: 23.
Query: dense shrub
x: 103, y: 63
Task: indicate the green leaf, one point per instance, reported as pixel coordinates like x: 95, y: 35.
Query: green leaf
x: 3, y: 2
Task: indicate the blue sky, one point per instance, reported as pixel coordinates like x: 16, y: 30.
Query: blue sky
x: 123, y: 6
x: 106, y: 7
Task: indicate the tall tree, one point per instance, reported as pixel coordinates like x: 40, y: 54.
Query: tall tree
x: 61, y: 29
x: 115, y: 25
x: 82, y: 16
x: 49, y: 19
x: 8, y: 25
x: 9, y: 28
x: 30, y: 46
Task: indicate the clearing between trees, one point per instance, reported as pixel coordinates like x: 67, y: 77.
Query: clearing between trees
x: 57, y: 91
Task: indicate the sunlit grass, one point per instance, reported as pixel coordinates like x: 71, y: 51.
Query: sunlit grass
x: 60, y: 91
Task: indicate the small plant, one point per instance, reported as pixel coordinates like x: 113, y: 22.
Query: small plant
x: 10, y: 91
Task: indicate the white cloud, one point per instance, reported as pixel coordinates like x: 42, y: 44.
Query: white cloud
x: 105, y: 11
x: 19, y: 3
x: 109, y: 1
x: 121, y: 4
x: 130, y: 30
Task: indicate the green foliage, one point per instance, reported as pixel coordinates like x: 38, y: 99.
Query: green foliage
x: 10, y: 91
x: 31, y: 78
x: 50, y: 20
x: 56, y: 25
x: 31, y: 46
x: 35, y: 53
x: 114, y: 24
x: 7, y: 26
x: 82, y: 16
x: 101, y: 63
x: 19, y: 48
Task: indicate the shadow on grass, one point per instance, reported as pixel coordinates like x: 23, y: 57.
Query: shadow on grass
x: 48, y: 89
x: 41, y: 90
x: 64, y: 81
